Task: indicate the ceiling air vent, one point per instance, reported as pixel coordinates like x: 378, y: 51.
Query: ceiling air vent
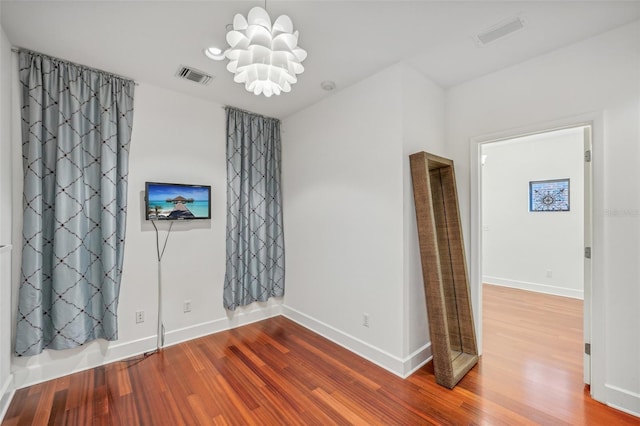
x: 193, y: 75
x: 499, y: 31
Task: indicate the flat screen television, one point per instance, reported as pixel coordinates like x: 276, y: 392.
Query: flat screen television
x: 177, y: 201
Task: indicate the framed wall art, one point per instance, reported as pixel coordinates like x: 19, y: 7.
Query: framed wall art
x: 549, y: 195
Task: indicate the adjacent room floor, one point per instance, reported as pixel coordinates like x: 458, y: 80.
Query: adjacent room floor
x: 277, y: 372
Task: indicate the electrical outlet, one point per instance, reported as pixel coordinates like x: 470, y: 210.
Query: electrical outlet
x: 139, y: 317
x: 549, y: 273
x: 186, y: 307
x: 365, y: 320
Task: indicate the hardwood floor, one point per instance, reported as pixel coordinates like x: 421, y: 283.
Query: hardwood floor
x: 277, y: 373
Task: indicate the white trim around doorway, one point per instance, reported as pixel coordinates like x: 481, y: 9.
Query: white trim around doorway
x: 593, y: 301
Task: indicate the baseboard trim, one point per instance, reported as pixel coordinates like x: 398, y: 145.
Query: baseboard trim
x: 233, y: 320
x: 623, y: 400
x: 100, y: 352
x: 94, y: 354
x: 539, y: 288
x: 6, y: 395
x: 416, y: 360
x: 398, y: 366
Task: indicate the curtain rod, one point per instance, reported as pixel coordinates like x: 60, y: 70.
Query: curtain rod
x: 21, y: 49
x: 248, y: 112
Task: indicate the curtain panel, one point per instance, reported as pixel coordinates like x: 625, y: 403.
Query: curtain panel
x: 255, y: 238
x: 76, y: 130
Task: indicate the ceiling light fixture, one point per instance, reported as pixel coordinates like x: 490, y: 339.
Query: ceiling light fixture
x: 214, y: 53
x: 265, y: 58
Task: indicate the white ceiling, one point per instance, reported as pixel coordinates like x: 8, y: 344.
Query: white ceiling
x: 346, y: 40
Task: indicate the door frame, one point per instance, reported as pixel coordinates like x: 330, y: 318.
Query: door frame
x: 594, y: 308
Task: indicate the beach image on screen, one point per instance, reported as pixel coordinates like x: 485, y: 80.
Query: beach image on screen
x: 167, y: 201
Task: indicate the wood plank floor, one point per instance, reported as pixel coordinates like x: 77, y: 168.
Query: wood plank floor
x: 277, y: 373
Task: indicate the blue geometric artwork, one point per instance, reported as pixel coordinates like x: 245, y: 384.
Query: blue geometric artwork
x: 549, y: 195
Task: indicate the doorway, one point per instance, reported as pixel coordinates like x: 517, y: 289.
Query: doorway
x: 534, y: 197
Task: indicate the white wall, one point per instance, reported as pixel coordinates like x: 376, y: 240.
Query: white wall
x: 349, y: 218
x: 423, y: 130
x: 536, y: 251
x: 599, y: 76
x: 342, y: 188
x: 5, y: 224
x: 176, y: 138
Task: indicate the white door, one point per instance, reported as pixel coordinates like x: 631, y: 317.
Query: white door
x: 587, y: 258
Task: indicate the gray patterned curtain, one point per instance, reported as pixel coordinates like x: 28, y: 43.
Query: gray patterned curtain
x: 255, y: 239
x: 76, y: 129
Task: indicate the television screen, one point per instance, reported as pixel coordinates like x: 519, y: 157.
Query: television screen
x: 174, y: 201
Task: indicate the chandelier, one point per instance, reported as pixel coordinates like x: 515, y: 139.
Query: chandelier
x: 265, y: 57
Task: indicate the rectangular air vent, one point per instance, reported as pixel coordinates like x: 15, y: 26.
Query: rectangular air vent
x: 193, y: 75
x: 499, y: 31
